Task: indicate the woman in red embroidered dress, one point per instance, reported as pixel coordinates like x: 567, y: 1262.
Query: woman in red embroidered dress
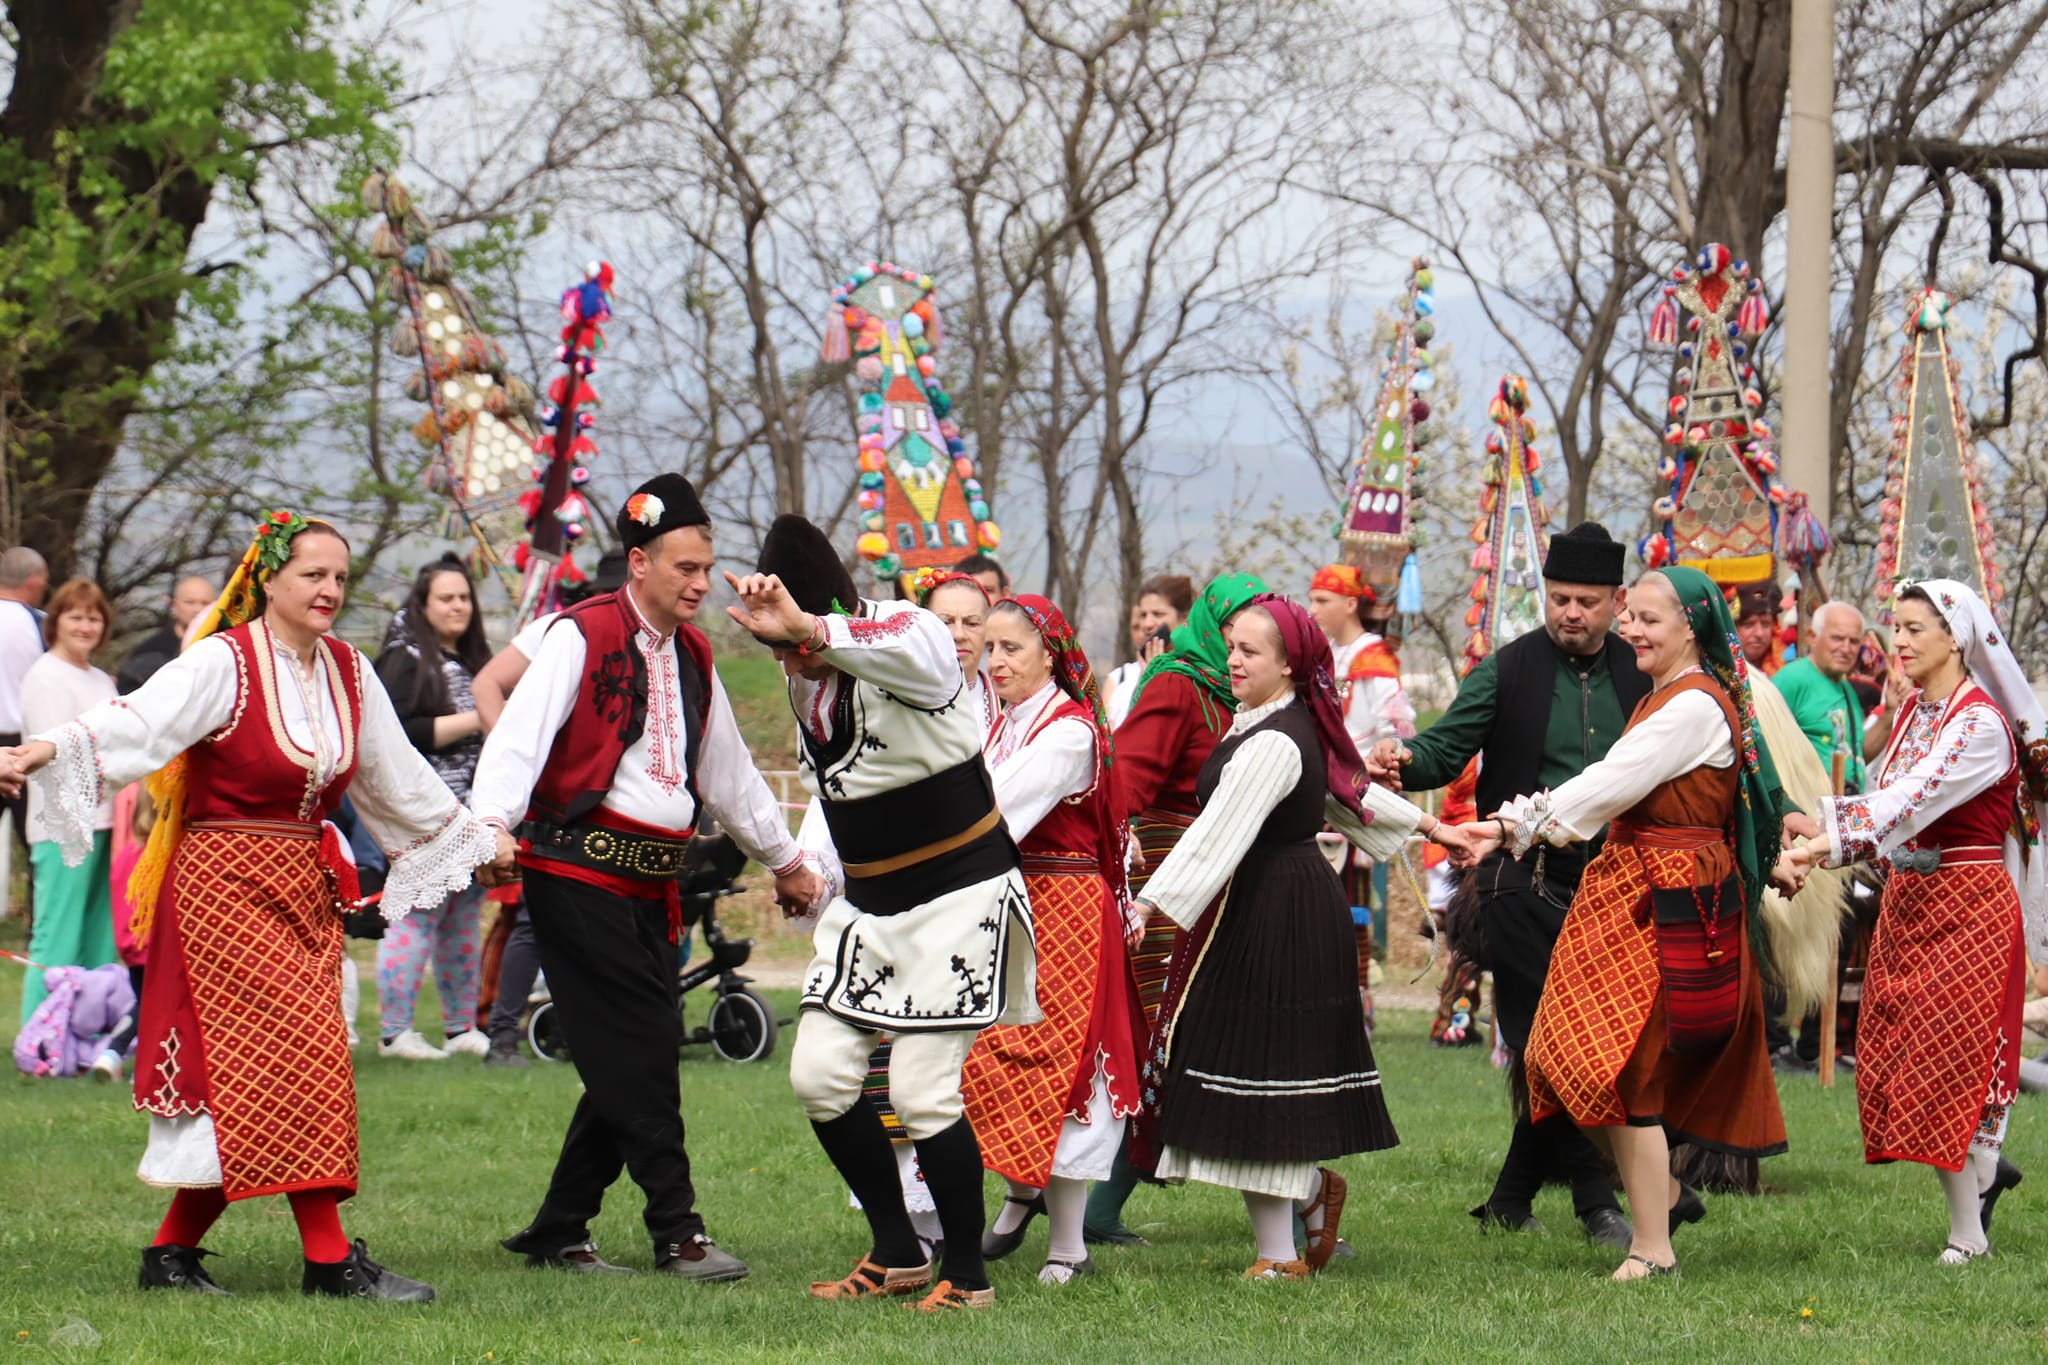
x: 1939, y: 1032
x: 1048, y: 1100
x: 259, y: 729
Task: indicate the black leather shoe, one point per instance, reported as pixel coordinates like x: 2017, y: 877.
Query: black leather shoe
x: 2008, y: 1176
x: 1119, y: 1236
x: 581, y: 1258
x: 1507, y: 1220
x: 1607, y: 1228
x: 359, y: 1277
x: 996, y: 1245
x: 174, y: 1267
x: 1689, y: 1208
x: 698, y: 1258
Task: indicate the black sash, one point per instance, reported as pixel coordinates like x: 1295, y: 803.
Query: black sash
x: 873, y: 829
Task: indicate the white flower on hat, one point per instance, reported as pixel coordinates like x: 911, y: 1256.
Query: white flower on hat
x: 645, y: 508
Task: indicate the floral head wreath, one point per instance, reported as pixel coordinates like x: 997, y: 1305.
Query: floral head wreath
x: 274, y: 541
x: 929, y: 580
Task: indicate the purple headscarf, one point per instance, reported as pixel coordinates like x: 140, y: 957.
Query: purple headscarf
x: 1315, y: 683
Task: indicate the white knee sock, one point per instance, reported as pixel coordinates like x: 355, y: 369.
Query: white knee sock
x: 1066, y: 1204
x: 1272, y: 1225
x: 1014, y: 1212
x: 1965, y: 1214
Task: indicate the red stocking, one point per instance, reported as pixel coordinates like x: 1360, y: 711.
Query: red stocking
x: 319, y: 1215
x: 193, y: 1211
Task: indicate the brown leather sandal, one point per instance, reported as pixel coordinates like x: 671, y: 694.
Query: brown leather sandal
x: 1322, y: 1241
x: 944, y: 1298
x: 869, y: 1280
x: 1263, y: 1269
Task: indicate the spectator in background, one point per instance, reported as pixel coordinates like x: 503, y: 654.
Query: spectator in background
x: 1756, y: 625
x: 1162, y: 607
x: 24, y: 578
x: 192, y: 596
x: 435, y: 647
x: 985, y: 570
x: 74, y: 922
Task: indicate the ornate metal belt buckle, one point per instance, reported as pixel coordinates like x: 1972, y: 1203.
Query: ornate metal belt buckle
x: 599, y: 846
x: 1921, y: 860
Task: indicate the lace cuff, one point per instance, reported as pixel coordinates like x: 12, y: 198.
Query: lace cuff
x: 71, y: 786
x: 429, y: 870
x: 1533, y: 820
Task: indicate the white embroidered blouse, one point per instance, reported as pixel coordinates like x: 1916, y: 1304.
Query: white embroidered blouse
x: 1941, y: 761
x: 433, y: 842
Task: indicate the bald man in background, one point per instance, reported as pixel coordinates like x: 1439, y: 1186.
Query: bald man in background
x: 192, y: 596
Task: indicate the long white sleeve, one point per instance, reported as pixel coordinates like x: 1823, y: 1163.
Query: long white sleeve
x: 814, y: 836
x: 1957, y: 762
x: 1255, y: 779
x: 128, y: 738
x: 902, y: 648
x: 1382, y: 837
x: 735, y: 792
x: 1690, y: 731
x: 1058, y: 762
x: 519, y: 743
x: 406, y: 807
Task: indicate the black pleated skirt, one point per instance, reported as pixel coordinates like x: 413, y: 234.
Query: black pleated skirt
x: 1269, y: 1059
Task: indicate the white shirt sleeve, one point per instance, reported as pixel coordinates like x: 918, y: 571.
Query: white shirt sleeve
x: 735, y: 792
x: 1971, y: 752
x: 1690, y: 731
x: 406, y: 807
x: 527, y: 641
x: 1378, y: 709
x: 1058, y: 762
x: 903, y: 649
x: 128, y: 738
x: 1382, y: 837
x: 1254, y: 781
x: 520, y: 742
x: 814, y: 836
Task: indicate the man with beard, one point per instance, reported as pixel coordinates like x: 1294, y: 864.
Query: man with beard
x: 1536, y: 712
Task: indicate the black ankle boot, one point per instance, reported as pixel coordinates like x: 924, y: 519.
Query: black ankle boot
x: 175, y: 1267
x: 359, y: 1277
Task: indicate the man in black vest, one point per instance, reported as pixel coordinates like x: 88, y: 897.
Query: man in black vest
x: 1537, y: 712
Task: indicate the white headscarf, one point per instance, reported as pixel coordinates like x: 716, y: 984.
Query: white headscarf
x: 1993, y: 668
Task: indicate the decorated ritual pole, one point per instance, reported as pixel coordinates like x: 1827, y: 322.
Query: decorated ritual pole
x: 1932, y: 522
x: 1513, y: 530
x: 1377, y: 527
x: 922, y: 505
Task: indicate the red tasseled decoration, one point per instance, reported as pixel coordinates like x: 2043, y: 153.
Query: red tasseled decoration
x: 1664, y: 323
x: 1482, y: 558
x: 1753, y: 316
x: 838, y: 347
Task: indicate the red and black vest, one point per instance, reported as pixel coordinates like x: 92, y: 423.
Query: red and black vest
x: 611, y: 708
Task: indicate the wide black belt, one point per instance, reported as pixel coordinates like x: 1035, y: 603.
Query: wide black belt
x: 931, y: 837
x: 607, y: 850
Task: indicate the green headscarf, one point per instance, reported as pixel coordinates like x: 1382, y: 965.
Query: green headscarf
x: 1760, y: 799
x: 1198, y: 650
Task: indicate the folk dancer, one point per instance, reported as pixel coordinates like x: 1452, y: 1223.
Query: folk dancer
x: 616, y: 741
x: 1267, y: 1072
x: 254, y: 734
x: 1049, y: 1100
x: 1955, y: 813
x: 1651, y: 1026
x: 1536, y: 713
x: 926, y: 933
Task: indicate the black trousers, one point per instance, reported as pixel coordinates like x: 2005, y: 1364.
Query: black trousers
x: 612, y: 972
x: 517, y: 967
x: 1521, y: 927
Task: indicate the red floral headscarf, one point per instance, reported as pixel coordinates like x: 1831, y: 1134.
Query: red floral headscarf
x: 1075, y: 677
x: 1314, y: 667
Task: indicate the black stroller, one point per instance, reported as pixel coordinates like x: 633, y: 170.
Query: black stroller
x: 739, y: 1025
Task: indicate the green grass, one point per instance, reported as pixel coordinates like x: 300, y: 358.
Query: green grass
x: 455, y: 1157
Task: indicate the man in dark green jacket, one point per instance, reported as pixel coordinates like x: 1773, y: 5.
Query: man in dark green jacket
x: 1536, y: 712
